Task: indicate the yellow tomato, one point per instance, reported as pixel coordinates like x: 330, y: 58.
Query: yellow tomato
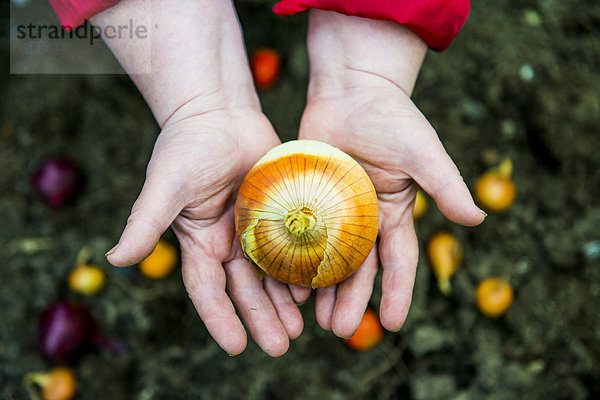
x: 494, y: 297
x: 161, y: 262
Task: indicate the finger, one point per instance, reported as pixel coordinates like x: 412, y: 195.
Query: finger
x: 286, y: 309
x: 399, y: 253
x: 437, y: 174
x: 353, y: 296
x: 324, y: 305
x: 299, y: 293
x: 154, y: 210
x: 255, y: 308
x: 204, y: 280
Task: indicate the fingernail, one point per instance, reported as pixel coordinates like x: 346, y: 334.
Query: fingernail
x: 231, y: 355
x: 483, y: 212
x: 111, y: 251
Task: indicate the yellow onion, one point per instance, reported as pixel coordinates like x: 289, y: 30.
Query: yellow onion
x: 307, y: 214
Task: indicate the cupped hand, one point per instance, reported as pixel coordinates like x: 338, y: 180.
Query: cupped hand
x: 376, y: 123
x: 197, y: 165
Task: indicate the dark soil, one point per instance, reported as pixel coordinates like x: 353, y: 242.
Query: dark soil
x: 485, y: 103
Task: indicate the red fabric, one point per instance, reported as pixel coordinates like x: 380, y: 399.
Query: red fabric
x: 436, y: 21
x: 73, y: 13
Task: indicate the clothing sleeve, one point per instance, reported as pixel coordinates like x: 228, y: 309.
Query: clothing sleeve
x: 437, y: 22
x: 73, y: 13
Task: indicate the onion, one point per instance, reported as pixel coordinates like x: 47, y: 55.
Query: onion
x: 67, y: 329
x: 57, y: 180
x: 307, y: 214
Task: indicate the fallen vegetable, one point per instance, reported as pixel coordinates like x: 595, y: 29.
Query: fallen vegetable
x: 494, y: 297
x: 307, y: 214
x: 265, y: 64
x: 57, y: 384
x: 66, y: 329
x: 57, y: 180
x: 86, y: 279
x: 369, y: 333
x: 495, y: 190
x: 445, y: 255
x: 161, y: 262
x: 420, y: 206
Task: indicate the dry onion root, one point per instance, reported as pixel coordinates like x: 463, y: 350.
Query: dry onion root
x: 307, y: 214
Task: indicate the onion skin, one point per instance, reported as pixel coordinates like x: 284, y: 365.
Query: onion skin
x: 307, y: 214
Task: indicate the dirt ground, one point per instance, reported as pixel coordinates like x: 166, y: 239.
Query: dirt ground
x: 521, y: 80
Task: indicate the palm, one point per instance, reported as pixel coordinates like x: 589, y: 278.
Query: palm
x: 382, y: 129
x: 196, y: 168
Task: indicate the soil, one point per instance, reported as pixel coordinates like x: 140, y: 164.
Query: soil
x: 521, y: 80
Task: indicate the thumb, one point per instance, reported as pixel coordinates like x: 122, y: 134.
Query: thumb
x: 154, y: 210
x: 437, y: 174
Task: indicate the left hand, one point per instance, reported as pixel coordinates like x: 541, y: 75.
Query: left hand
x: 355, y: 106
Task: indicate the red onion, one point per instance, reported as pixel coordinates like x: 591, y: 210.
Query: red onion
x: 66, y: 329
x: 57, y: 180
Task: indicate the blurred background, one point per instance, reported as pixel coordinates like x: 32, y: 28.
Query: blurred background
x: 521, y: 81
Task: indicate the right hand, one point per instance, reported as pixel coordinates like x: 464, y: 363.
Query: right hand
x: 200, y: 90
x: 196, y: 168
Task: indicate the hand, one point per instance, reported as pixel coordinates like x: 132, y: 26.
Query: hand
x: 192, y: 179
x: 362, y: 74
x: 200, y: 90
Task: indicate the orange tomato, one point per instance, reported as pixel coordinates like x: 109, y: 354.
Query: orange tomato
x: 369, y: 333
x: 420, y: 206
x: 61, y: 386
x: 161, y: 262
x: 445, y: 255
x: 57, y: 384
x: 265, y: 64
x: 495, y: 189
x: 493, y: 297
x: 86, y: 279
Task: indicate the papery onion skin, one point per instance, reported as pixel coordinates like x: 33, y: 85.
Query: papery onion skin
x: 307, y: 214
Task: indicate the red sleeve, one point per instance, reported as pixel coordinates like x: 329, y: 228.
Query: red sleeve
x: 436, y: 21
x: 73, y: 13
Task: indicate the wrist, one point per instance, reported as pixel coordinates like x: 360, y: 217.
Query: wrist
x: 349, y: 52
x: 196, y: 56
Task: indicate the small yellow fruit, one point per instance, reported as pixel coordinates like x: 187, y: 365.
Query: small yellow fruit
x: 57, y: 384
x: 420, y: 206
x: 161, y: 262
x: 495, y: 190
x: 445, y: 256
x: 86, y: 279
x: 494, y: 297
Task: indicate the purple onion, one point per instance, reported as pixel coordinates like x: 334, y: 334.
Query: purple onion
x: 57, y: 180
x: 67, y: 329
